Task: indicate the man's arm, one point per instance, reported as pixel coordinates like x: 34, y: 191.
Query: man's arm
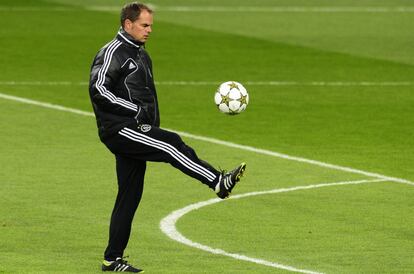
x: 105, y: 72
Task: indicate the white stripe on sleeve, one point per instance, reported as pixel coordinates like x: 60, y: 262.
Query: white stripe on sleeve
x: 101, y: 79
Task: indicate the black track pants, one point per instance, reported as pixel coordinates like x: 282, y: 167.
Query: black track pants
x: 133, y: 146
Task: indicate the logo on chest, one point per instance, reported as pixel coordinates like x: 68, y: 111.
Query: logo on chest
x: 130, y: 66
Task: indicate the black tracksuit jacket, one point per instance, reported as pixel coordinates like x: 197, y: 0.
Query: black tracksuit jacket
x: 122, y: 87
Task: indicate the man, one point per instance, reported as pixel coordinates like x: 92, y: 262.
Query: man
x: 125, y: 103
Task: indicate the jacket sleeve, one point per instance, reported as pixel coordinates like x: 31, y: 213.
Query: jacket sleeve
x: 105, y: 72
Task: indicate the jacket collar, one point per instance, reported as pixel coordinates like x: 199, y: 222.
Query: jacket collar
x: 128, y: 39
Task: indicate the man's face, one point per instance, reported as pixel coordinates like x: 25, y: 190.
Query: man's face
x: 141, y: 28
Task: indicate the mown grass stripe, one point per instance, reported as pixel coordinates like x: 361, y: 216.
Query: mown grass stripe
x: 224, y: 143
x: 216, y: 83
x: 268, y: 9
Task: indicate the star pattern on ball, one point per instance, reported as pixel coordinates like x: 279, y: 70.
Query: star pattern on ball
x: 233, y: 85
x: 225, y: 99
x: 243, y: 99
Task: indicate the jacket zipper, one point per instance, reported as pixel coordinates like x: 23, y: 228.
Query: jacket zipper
x: 146, y: 82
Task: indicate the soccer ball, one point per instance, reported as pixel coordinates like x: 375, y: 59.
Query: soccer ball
x: 231, y: 98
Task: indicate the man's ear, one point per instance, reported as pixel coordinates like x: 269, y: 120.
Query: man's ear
x: 127, y: 24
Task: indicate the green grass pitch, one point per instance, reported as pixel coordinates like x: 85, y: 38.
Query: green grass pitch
x: 329, y: 82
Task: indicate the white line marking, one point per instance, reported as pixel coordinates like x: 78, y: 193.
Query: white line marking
x: 293, y: 158
x: 292, y: 83
x: 42, y: 83
x: 269, y: 9
x: 223, y: 143
x: 40, y: 9
x: 45, y: 105
x: 167, y: 224
x: 216, y: 83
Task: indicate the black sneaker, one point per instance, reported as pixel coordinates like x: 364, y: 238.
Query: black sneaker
x: 229, y: 180
x: 119, y: 265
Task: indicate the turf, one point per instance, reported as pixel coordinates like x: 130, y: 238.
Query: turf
x: 58, y: 181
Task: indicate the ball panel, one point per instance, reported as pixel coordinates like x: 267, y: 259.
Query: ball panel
x: 243, y: 90
x: 217, y: 98
x: 242, y: 108
x: 234, y: 94
x: 224, y: 108
x: 234, y: 105
x: 224, y: 89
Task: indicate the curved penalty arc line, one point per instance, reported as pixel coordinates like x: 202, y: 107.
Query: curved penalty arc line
x: 168, y: 223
